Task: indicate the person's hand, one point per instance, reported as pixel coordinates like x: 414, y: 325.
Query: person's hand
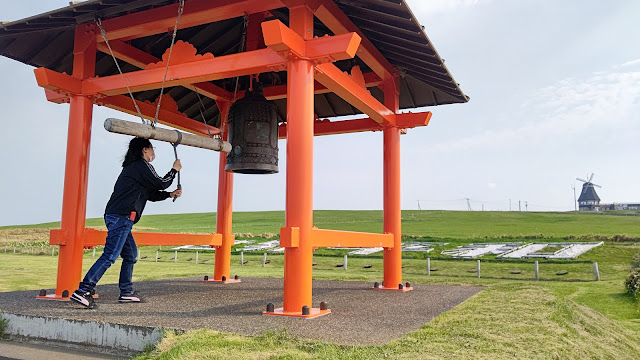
x: 177, y: 165
x: 176, y: 193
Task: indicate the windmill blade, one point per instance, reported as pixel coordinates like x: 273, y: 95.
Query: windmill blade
x: 596, y: 185
x: 591, y: 178
x: 581, y: 180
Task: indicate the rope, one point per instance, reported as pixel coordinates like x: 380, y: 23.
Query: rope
x: 242, y: 48
x: 166, y: 70
x: 126, y: 83
x: 175, y: 153
x: 200, y: 109
x: 164, y: 79
x: 203, y: 119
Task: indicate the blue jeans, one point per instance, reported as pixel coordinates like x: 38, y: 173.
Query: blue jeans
x: 119, y: 243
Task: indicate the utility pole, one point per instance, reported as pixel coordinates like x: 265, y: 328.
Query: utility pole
x: 509, y: 204
x: 519, y: 208
x: 468, y: 204
x: 575, y: 202
x: 419, y: 205
x: 482, y: 207
x: 526, y: 206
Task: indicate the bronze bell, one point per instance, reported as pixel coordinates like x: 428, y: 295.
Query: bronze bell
x: 253, y: 134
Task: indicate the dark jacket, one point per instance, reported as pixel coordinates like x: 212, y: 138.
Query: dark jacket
x: 137, y: 183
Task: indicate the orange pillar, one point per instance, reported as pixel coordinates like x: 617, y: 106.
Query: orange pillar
x: 74, y: 200
x: 392, y: 257
x: 299, y: 202
x: 224, y: 214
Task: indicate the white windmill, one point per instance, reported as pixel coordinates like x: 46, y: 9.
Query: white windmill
x: 588, y: 198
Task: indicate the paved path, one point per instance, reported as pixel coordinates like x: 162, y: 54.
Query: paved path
x: 360, y: 315
x: 27, y: 351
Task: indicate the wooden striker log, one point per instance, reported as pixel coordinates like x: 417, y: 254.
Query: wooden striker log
x: 171, y: 136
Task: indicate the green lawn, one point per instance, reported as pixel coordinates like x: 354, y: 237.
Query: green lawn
x: 560, y: 316
x: 431, y: 224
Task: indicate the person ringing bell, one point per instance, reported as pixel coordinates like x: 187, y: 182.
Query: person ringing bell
x: 137, y: 183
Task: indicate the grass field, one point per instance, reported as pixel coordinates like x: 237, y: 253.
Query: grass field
x: 430, y: 224
x: 560, y: 316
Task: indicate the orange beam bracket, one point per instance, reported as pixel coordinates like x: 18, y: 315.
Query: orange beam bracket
x: 55, y: 97
x: 281, y: 39
x: 344, y: 86
x: 335, y: 238
x: 410, y: 120
x: 288, y: 44
x: 58, y: 82
x: 290, y: 237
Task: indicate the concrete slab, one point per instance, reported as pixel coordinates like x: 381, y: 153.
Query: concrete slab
x: 360, y: 316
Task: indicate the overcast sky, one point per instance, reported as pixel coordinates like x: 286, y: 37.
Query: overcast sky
x: 555, y: 95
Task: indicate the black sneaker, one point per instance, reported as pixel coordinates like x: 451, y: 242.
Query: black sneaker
x: 133, y: 298
x: 84, y: 298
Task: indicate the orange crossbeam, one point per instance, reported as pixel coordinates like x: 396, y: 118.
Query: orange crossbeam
x: 280, y: 91
x: 344, y: 86
x: 228, y: 66
x: 128, y: 53
x: 333, y: 18
x: 335, y: 238
x: 141, y: 59
x: 196, y: 12
x: 93, y: 237
x: 252, y: 62
x: 326, y: 127
x: 123, y: 103
x: 174, y: 119
x: 290, y: 238
x: 222, y: 67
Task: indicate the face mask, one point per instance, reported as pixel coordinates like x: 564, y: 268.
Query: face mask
x: 153, y: 156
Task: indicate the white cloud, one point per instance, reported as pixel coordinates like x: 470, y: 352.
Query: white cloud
x: 492, y: 185
x: 631, y: 63
x: 570, y: 106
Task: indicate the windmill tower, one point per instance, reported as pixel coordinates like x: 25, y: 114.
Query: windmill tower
x: 588, y: 199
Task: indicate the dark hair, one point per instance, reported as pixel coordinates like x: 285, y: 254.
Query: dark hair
x: 134, y: 153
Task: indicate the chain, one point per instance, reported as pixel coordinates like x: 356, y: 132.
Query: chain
x: 166, y: 70
x: 124, y: 78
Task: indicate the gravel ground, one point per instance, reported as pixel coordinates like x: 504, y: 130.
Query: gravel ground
x: 360, y: 315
